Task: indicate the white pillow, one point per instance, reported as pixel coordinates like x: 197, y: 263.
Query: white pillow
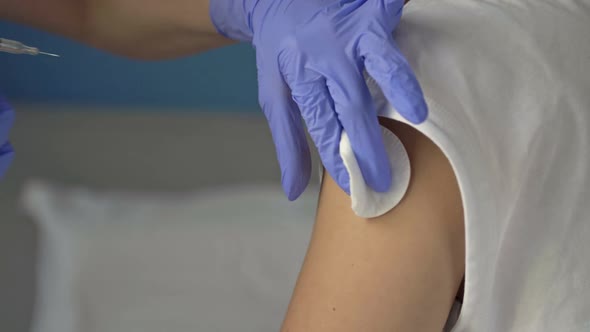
x: 222, y: 260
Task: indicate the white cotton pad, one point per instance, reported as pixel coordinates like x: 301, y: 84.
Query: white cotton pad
x: 367, y: 203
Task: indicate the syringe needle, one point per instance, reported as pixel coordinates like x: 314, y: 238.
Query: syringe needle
x: 50, y: 54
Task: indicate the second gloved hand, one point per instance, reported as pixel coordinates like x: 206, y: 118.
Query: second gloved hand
x: 6, y: 120
x: 310, y: 56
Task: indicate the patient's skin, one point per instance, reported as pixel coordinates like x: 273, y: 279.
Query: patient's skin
x: 398, y: 272
x: 142, y: 29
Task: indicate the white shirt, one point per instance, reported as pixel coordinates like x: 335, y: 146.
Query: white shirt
x: 507, y: 83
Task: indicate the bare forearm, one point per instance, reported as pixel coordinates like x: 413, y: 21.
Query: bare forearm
x: 145, y: 29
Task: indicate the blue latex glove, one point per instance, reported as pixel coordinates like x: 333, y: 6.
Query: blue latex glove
x: 6, y: 120
x: 310, y: 56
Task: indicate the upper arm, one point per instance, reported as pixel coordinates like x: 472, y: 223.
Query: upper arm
x: 397, y: 272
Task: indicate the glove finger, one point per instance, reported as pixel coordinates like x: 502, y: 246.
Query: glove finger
x: 358, y: 117
x: 287, y: 132
x: 6, y: 156
x: 6, y: 119
x: 312, y: 96
x: 390, y: 69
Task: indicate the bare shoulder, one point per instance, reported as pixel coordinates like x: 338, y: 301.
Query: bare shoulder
x: 397, y: 272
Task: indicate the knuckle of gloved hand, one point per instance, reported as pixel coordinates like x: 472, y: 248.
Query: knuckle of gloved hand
x: 288, y: 48
x: 290, y: 62
x: 383, y: 66
x: 289, y: 41
x: 267, y: 103
x: 309, y: 94
x: 313, y: 122
x: 392, y: 9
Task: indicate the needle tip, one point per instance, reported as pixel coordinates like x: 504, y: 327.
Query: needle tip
x: 50, y: 54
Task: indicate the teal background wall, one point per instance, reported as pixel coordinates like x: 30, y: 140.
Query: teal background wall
x: 223, y: 79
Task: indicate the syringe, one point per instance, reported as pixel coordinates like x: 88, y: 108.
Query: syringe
x: 15, y: 47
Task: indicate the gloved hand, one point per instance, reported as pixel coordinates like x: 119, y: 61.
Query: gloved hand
x: 6, y: 120
x: 310, y: 56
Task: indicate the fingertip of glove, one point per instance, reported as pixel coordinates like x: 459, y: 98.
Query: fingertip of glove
x: 420, y: 114
x: 376, y: 169
x: 293, y: 186
x: 295, y: 176
x: 382, y: 182
x: 344, y: 182
x: 346, y: 188
x: 291, y: 194
x: 416, y: 110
